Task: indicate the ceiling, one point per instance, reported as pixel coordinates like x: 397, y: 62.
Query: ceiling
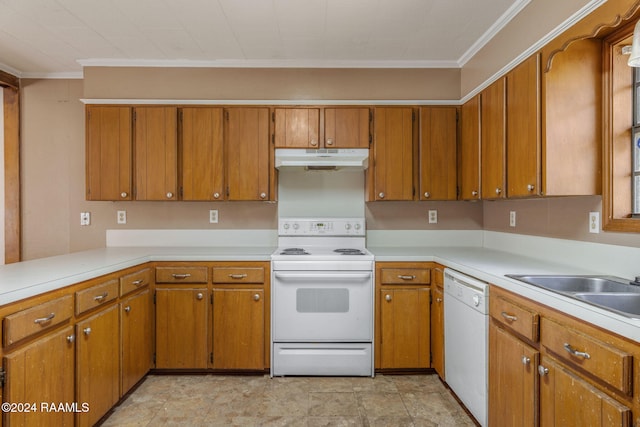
x: 56, y: 38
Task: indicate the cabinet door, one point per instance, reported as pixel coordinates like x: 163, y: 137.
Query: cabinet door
x: 137, y: 354
x: 297, y: 127
x: 437, y: 321
x: 346, y: 127
x: 513, y: 380
x: 238, y: 329
x: 405, y: 328
x: 567, y: 400
x: 247, y: 153
x: 469, y: 164
x: 438, y: 139
x: 98, y: 364
x: 202, y: 154
x: 523, y: 129
x: 108, y: 153
x: 393, y: 154
x: 41, y: 373
x: 181, y: 328
x: 156, y: 153
x: 493, y: 134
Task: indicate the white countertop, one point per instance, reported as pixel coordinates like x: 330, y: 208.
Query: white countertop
x: 29, y: 278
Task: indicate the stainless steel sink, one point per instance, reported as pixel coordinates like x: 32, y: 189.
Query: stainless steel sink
x: 608, y: 292
x: 627, y: 304
x: 572, y: 284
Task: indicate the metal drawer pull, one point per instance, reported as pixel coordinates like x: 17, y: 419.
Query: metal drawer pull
x: 137, y: 282
x: 509, y: 317
x: 575, y: 352
x: 99, y: 298
x: 238, y: 276
x: 86, y: 331
x: 387, y: 297
x: 542, y: 370
x: 127, y: 309
x: 199, y: 296
x: 406, y: 277
x: 525, y: 360
x: 256, y: 297
x: 438, y: 299
x: 181, y: 276
x: 45, y: 319
x: 71, y: 338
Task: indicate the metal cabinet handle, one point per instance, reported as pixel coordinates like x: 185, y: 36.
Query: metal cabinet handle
x: 256, y: 297
x: 406, y: 277
x: 438, y: 299
x: 137, y: 282
x: 543, y: 371
x: 525, y: 360
x: 86, y: 331
x: 313, y: 142
x: 100, y: 298
x: 181, y: 276
x: 199, y: 296
x: 474, y: 193
x: 329, y: 141
x: 71, y: 338
x: 238, y: 276
x: 127, y: 309
x: 387, y: 297
x: 124, y: 194
x: 498, y: 190
x: 216, y: 195
x: 575, y: 352
x: 381, y: 195
x: 44, y: 319
x: 263, y: 195
x: 530, y: 187
x: 169, y: 195
x: 509, y: 317
x: 427, y: 194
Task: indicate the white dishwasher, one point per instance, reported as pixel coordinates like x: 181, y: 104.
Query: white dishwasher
x: 466, y: 309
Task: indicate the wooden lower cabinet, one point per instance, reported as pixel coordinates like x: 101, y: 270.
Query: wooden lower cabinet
x: 404, y: 328
x: 568, y: 400
x: 238, y: 329
x: 98, y: 364
x: 41, y: 373
x: 136, y: 343
x: 513, y: 380
x: 181, y: 328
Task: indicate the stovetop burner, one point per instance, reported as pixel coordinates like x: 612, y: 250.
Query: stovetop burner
x: 294, y: 251
x: 349, y: 251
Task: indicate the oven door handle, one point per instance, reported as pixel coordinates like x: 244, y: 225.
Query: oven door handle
x: 322, y: 275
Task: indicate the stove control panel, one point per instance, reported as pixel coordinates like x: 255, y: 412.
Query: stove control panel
x: 321, y: 227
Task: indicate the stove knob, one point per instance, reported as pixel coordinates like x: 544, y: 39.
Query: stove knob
x: 295, y: 226
x: 286, y: 226
x: 347, y: 226
x: 357, y: 226
x: 476, y: 300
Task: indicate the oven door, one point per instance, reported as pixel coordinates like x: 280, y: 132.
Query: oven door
x: 322, y: 306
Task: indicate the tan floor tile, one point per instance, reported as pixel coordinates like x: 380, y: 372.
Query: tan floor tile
x: 389, y: 421
x: 335, y: 421
x: 376, y: 405
x: 333, y: 404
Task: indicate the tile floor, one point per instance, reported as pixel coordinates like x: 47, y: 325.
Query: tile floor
x: 214, y: 400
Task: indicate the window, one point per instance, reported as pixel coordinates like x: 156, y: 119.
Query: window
x: 621, y: 119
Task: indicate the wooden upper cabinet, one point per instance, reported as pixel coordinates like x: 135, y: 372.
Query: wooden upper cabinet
x: 347, y: 127
x: 393, y: 154
x: 202, y: 158
x: 108, y: 153
x: 247, y: 153
x: 438, y: 140
x: 297, y: 128
x: 493, y: 143
x: 523, y: 129
x: 469, y: 159
x: 156, y: 153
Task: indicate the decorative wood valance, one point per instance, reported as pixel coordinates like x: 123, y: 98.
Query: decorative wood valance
x: 9, y: 80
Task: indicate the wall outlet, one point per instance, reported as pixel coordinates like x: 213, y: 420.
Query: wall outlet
x: 594, y: 222
x: 512, y: 218
x: 213, y: 216
x: 85, y: 218
x: 122, y: 217
x: 433, y: 216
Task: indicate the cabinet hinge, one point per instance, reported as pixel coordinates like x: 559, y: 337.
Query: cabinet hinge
x: 370, y: 139
x: 430, y: 298
x: 457, y: 116
x: 273, y: 116
x: 154, y: 358
x: 211, y: 298
x: 413, y: 116
x: 154, y: 297
x: 211, y: 357
x: 273, y: 139
x: 370, y: 116
x: 226, y: 114
x: 3, y: 377
x: 181, y: 191
x: 134, y: 115
x: 227, y: 191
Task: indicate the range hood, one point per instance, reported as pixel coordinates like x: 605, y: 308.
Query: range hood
x: 322, y: 159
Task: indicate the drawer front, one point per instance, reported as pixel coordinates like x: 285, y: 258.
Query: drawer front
x: 182, y: 275
x: 521, y: 320
x: 598, y: 359
x: 238, y: 275
x: 405, y: 276
x: 96, y: 296
x: 134, y: 281
x: 25, y: 323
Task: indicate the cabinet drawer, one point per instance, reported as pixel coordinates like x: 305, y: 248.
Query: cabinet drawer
x: 598, y: 359
x: 238, y: 275
x: 25, y: 323
x: 182, y: 275
x: 95, y: 296
x: 133, y: 281
x: 405, y: 276
x: 521, y: 320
